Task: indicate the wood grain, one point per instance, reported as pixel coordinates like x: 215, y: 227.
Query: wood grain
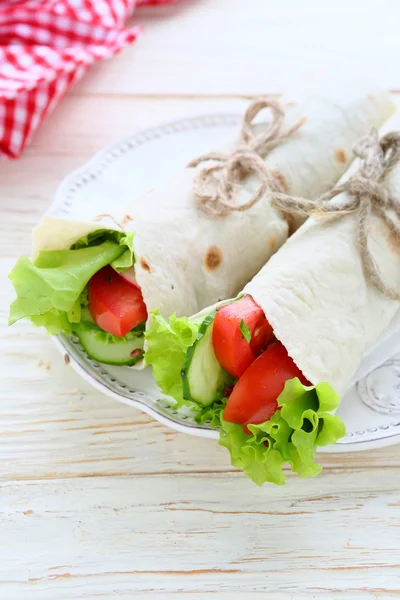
x: 98, y: 500
x: 202, y: 532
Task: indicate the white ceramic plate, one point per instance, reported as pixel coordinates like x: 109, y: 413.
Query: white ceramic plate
x: 370, y: 409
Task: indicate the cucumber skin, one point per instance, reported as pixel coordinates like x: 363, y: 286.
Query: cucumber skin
x: 208, y: 320
x: 189, y: 355
x: 87, y: 334
x: 129, y: 363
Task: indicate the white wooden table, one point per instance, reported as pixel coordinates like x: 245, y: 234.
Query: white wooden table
x: 96, y: 499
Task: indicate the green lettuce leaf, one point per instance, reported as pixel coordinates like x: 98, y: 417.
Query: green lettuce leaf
x: 211, y: 415
x: 96, y: 238
x: 291, y: 436
x: 54, y: 321
x: 48, y: 289
x: 124, y: 260
x: 168, y: 342
x: 84, y: 298
x: 127, y: 258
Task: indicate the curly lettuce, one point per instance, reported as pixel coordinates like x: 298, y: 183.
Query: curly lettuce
x: 211, y: 415
x: 303, y: 422
x: 49, y: 288
x: 168, y: 342
x: 292, y: 435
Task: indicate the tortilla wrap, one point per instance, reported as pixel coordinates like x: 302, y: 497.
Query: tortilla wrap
x: 315, y: 294
x: 186, y: 260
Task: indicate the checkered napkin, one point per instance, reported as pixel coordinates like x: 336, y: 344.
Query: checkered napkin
x: 45, y: 47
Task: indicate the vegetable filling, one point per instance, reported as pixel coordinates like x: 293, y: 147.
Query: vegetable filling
x: 232, y: 371
x: 88, y: 290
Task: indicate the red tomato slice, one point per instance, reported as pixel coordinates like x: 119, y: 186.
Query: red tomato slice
x: 254, y: 397
x: 233, y: 351
x: 129, y: 276
x: 115, y: 305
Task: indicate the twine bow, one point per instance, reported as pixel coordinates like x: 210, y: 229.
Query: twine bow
x: 227, y: 169
x: 364, y: 196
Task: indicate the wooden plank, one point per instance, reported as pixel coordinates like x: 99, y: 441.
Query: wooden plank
x: 88, y: 507
x: 101, y: 536
x: 228, y: 47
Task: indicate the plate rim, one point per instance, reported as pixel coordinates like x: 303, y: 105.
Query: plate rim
x: 99, y: 161
x: 168, y: 127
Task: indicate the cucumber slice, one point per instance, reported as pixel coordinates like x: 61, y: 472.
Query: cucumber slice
x: 110, y: 353
x: 203, y: 378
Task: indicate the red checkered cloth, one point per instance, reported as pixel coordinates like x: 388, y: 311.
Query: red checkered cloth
x: 45, y: 47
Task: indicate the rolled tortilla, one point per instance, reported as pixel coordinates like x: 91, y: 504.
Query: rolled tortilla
x: 327, y: 314
x: 315, y: 294
x: 185, y: 259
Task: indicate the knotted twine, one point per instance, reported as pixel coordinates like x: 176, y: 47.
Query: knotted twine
x: 215, y: 184
x: 362, y: 194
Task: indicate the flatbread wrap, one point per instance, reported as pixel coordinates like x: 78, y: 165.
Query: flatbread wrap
x: 100, y: 279
x: 268, y: 367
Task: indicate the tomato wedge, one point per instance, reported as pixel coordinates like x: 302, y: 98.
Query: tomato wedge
x: 254, y: 397
x: 115, y: 305
x: 234, y: 353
